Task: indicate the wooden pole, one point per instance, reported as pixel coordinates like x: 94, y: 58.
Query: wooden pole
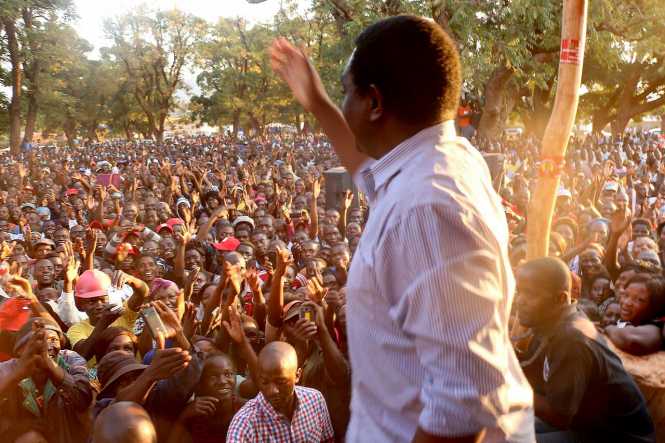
x: 557, y: 133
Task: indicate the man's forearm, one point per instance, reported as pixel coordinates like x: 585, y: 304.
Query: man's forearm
x: 137, y: 391
x: 337, y: 129
x: 86, y: 346
x: 276, y: 301
x: 336, y: 364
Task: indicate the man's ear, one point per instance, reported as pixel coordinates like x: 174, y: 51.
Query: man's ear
x: 563, y: 298
x: 376, y: 103
x: 298, y: 375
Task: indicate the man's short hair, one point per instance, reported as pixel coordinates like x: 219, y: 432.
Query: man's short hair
x: 415, y: 66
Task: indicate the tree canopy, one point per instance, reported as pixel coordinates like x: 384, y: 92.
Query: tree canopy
x: 509, y: 52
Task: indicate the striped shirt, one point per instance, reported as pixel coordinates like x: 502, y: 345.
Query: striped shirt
x: 429, y: 295
x: 259, y: 422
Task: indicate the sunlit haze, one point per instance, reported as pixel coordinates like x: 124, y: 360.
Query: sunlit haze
x: 90, y: 24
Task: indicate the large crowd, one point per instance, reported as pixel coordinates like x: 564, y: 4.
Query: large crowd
x: 238, y: 250
x: 195, y: 289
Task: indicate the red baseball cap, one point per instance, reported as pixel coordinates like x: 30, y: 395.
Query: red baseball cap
x: 163, y: 226
x: 228, y: 244
x: 174, y: 221
x: 92, y: 284
x: 71, y: 191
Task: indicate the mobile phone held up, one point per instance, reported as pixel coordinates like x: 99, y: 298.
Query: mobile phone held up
x: 307, y: 312
x: 154, y: 322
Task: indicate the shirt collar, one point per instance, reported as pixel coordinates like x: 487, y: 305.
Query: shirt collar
x: 272, y: 412
x: 379, y: 172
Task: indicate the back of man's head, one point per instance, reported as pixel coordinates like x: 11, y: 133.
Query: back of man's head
x: 550, y: 273
x: 124, y: 422
x: 414, y: 64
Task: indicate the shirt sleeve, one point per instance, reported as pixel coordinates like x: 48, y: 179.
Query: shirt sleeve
x: 149, y: 234
x: 241, y: 429
x: 66, y: 309
x: 448, y: 292
x: 75, y: 390
x: 327, y: 433
x: 76, y: 333
x: 112, y: 245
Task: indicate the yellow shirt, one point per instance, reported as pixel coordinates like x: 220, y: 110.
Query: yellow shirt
x: 83, y: 329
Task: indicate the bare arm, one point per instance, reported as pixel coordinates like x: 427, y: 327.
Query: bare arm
x: 636, y: 340
x: 297, y: 72
x: 313, y: 210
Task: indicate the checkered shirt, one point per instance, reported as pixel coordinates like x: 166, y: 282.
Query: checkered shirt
x: 258, y: 421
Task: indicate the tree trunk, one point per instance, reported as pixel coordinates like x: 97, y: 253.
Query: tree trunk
x: 70, y: 131
x: 31, y: 71
x: 30, y: 118
x: 159, y: 131
x: 495, y: 103
x: 92, y: 132
x: 236, y: 124
x: 15, y: 106
x: 128, y: 132
x: 620, y: 123
x: 600, y: 119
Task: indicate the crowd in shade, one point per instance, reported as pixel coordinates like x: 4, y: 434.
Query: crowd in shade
x: 195, y: 290
x: 607, y: 227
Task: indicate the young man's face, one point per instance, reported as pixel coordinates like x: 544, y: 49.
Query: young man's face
x: 277, y: 384
x: 93, y: 307
x: 44, y: 272
x: 534, y: 305
x: 217, y: 379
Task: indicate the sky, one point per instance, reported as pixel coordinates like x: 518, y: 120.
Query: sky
x: 92, y: 13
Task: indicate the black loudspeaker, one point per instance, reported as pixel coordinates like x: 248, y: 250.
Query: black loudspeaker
x: 338, y: 180
x: 497, y: 166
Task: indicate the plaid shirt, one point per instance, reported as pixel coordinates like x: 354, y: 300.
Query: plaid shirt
x: 258, y: 421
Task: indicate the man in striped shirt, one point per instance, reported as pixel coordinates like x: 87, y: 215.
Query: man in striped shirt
x: 430, y: 287
x: 282, y: 412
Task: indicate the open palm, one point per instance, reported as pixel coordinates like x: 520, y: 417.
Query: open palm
x: 293, y: 66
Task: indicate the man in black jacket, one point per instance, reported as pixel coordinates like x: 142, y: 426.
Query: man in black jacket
x: 581, y: 391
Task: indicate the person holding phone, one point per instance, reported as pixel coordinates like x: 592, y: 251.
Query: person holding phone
x: 91, y: 297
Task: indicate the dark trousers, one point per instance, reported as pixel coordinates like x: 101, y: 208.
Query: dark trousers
x: 545, y: 433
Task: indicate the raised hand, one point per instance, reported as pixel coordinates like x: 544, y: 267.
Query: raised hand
x: 169, y: 318
x: 316, y: 290
x: 200, y: 407
x: 19, y: 286
x: 196, y: 199
x: 316, y: 188
x: 167, y: 362
x: 253, y: 280
x: 348, y: 199
x: 620, y: 221
x: 7, y: 250
x: 72, y: 269
x: 102, y: 193
x: 189, y: 282
x: 189, y: 322
x: 284, y: 259
x: 233, y: 326
x: 295, y: 69
x: 233, y: 275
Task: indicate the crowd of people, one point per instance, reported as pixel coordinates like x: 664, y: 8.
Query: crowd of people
x: 196, y: 289
x: 237, y: 248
